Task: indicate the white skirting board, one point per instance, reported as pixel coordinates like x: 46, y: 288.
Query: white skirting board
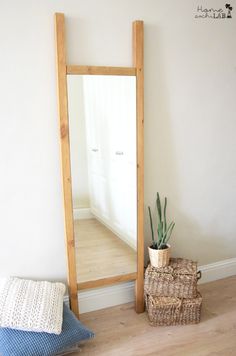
x: 82, y: 213
x: 218, y: 270
x: 100, y: 298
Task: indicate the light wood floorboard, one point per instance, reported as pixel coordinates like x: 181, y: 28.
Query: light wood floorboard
x: 100, y: 253
x: 121, y: 332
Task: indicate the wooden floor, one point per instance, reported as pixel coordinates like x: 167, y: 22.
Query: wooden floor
x: 121, y: 332
x: 100, y: 253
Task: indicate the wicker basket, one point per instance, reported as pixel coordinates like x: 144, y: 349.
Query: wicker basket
x: 179, y: 279
x: 166, y: 311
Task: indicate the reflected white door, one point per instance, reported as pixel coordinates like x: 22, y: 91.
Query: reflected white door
x: 110, y: 112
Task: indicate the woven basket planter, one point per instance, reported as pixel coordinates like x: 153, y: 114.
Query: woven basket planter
x: 165, y: 311
x: 179, y: 279
x: 159, y: 258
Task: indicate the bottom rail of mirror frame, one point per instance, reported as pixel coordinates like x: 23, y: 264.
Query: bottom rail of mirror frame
x: 107, y: 281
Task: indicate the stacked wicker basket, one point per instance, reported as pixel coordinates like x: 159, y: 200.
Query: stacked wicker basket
x: 171, y: 293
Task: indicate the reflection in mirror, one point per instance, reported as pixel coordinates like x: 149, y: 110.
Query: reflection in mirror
x: 102, y: 121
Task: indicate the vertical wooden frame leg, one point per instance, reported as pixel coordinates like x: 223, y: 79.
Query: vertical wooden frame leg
x: 138, y: 40
x: 65, y: 158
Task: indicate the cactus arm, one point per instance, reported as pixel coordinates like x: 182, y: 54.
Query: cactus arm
x: 165, y: 206
x: 170, y: 232
x: 167, y: 234
x: 151, y: 224
x: 159, y: 233
x: 162, y: 242
x: 158, y: 204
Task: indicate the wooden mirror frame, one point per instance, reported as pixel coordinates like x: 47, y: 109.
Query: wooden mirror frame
x: 137, y: 70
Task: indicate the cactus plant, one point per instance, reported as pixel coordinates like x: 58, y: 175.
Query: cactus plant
x: 164, y: 230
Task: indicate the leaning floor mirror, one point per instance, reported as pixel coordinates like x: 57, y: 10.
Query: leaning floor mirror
x: 101, y: 131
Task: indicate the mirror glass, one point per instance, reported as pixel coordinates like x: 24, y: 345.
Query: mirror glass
x: 102, y: 125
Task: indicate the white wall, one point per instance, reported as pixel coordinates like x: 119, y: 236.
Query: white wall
x: 190, y: 86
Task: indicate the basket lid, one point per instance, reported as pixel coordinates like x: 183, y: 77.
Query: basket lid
x: 176, y: 266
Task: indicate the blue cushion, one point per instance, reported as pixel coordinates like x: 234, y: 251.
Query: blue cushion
x: 25, y: 343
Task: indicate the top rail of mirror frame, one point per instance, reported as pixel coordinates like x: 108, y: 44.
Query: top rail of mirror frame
x: 100, y: 70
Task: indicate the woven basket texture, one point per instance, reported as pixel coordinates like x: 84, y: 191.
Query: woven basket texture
x: 165, y: 311
x: 179, y: 279
x: 159, y: 258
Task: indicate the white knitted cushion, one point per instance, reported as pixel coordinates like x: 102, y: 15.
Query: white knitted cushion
x: 31, y: 305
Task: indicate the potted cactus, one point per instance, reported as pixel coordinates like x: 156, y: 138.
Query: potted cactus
x: 159, y: 251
